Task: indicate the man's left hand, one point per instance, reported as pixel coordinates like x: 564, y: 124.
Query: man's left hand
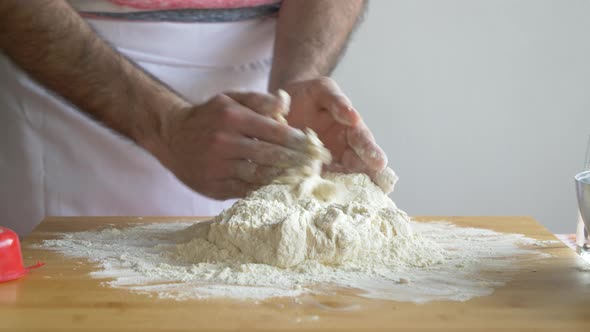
x: 321, y: 105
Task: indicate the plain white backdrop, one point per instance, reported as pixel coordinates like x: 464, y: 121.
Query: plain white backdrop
x: 483, y: 107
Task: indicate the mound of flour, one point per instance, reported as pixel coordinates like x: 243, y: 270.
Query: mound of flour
x: 355, y: 222
x: 304, y: 216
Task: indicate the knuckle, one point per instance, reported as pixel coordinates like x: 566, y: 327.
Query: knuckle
x: 264, y: 154
x: 261, y: 103
x: 325, y: 81
x: 267, y: 154
x: 245, y: 169
x: 252, y: 98
x: 219, y: 139
x: 266, y: 174
x: 267, y: 104
x: 219, y: 99
x: 284, y: 158
x: 354, y: 136
x: 226, y: 114
x: 260, y: 175
x: 254, y: 103
x: 279, y: 132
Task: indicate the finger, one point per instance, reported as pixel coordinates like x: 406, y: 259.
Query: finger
x: 361, y: 140
x: 261, y: 103
x: 353, y: 163
x: 334, y: 100
x: 264, y: 153
x: 235, y: 188
x: 251, y: 124
x: 253, y: 173
x: 385, y: 179
x: 285, y: 106
x: 342, y: 111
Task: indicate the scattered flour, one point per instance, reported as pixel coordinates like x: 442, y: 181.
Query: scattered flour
x: 305, y: 234
x: 282, y: 242
x: 468, y: 262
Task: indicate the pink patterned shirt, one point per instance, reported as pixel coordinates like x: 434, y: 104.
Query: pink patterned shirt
x: 177, y: 10
x: 196, y: 4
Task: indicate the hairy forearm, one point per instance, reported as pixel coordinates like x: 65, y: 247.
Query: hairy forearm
x: 311, y: 35
x: 55, y: 46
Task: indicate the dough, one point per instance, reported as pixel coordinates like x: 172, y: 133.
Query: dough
x: 302, y: 217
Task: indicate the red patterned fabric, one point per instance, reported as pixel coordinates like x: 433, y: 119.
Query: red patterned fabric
x: 196, y: 4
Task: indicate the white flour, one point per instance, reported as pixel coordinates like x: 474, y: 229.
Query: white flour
x: 305, y: 234
x: 137, y: 258
x: 278, y: 226
x: 277, y: 244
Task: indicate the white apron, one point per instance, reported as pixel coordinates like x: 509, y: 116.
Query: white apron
x: 55, y: 161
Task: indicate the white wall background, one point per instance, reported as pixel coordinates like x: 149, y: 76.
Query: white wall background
x: 483, y: 107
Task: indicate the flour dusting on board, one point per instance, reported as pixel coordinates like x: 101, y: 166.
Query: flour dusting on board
x: 472, y: 263
x: 279, y: 242
x: 305, y: 233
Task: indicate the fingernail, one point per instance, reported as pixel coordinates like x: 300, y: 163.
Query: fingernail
x: 343, y: 115
x: 285, y: 100
x: 386, y: 180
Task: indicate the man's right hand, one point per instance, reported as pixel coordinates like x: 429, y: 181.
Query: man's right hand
x: 223, y: 148
x: 229, y: 145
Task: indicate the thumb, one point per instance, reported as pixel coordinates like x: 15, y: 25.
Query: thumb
x: 331, y: 97
x: 342, y: 110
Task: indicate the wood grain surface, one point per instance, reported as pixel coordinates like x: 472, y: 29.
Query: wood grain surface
x: 552, y: 294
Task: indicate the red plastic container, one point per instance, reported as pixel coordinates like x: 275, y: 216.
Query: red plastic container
x: 11, y: 258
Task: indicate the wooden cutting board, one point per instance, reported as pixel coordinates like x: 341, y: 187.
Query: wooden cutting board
x: 551, y: 294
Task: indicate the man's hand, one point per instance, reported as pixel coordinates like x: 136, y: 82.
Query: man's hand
x: 311, y: 36
x: 322, y: 106
x: 229, y: 145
